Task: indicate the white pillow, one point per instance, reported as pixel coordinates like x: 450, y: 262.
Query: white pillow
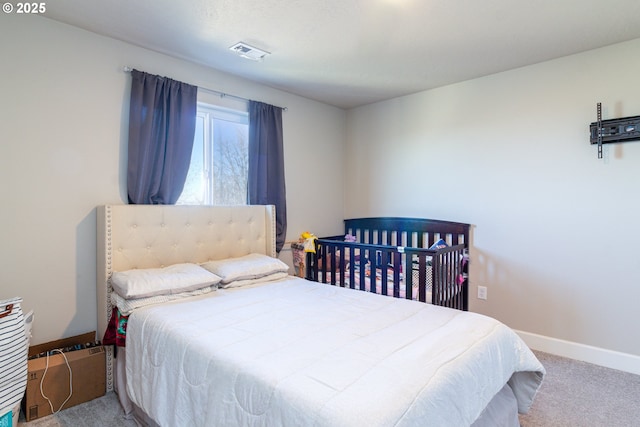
x: 173, y: 279
x: 252, y: 266
x: 264, y: 279
x: 127, y: 306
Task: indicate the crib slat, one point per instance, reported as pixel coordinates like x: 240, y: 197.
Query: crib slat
x: 384, y: 261
x: 408, y: 275
x: 422, y: 277
x: 397, y: 267
x: 364, y: 255
x: 352, y: 261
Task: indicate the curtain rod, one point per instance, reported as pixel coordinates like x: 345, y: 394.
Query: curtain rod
x: 221, y: 94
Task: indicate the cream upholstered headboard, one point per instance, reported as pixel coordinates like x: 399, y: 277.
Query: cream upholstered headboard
x: 148, y: 236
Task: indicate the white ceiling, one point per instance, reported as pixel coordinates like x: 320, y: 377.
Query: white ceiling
x: 354, y: 52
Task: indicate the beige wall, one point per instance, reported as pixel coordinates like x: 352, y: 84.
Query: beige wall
x: 555, y: 230
x: 63, y: 129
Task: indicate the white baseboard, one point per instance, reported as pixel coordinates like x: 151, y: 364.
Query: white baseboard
x: 586, y: 353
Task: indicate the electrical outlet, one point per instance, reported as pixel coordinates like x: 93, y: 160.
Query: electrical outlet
x: 482, y: 292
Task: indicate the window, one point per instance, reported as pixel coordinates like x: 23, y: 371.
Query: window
x: 219, y: 161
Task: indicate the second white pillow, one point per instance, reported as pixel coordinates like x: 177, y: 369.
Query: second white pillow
x: 252, y: 266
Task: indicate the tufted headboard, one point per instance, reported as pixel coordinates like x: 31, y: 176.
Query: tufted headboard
x: 151, y: 236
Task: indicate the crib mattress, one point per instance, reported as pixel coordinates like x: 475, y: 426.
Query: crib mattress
x: 301, y: 353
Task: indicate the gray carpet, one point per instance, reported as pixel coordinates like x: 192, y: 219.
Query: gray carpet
x: 573, y: 394
x: 579, y: 394
x: 102, y: 412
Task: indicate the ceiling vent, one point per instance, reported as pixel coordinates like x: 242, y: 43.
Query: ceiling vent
x: 249, y: 52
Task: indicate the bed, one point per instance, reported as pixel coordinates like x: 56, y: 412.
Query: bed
x: 412, y: 258
x: 289, y: 351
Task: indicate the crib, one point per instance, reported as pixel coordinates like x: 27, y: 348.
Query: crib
x: 412, y: 258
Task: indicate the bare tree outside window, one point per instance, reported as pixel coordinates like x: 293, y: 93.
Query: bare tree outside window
x: 231, y: 163
x: 219, y: 161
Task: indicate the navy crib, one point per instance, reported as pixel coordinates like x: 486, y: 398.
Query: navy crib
x: 398, y: 257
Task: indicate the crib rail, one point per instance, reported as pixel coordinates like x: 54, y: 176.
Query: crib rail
x: 408, y: 232
x: 426, y: 275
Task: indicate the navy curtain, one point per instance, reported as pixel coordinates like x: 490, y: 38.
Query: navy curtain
x: 266, y: 163
x: 162, y: 120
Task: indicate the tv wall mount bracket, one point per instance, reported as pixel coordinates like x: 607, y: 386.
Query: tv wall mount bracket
x: 613, y: 131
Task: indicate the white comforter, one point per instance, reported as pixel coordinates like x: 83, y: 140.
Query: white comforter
x: 300, y: 353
